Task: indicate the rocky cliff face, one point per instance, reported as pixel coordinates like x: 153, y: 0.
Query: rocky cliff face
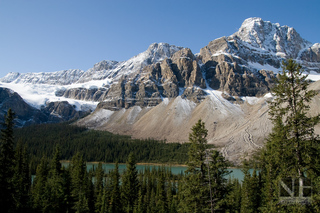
x: 165, y: 79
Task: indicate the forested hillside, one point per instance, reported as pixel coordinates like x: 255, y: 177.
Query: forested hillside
x: 103, y: 146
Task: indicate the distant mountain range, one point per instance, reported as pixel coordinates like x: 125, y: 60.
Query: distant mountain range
x: 163, y: 91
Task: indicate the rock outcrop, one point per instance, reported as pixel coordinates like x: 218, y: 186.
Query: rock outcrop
x: 310, y: 57
x: 61, y: 111
x: 91, y: 94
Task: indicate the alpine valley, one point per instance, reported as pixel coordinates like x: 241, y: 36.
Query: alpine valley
x: 162, y: 92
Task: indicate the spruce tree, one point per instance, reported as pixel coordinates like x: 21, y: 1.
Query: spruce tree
x: 204, y: 185
x: 103, y: 205
x: 162, y: 205
x: 234, y: 197
x: 89, y: 187
x: 7, y: 164
x: 67, y: 204
x: 39, y: 186
x: 290, y: 106
x: 153, y: 202
x: 130, y: 185
x: 292, y: 147
x: 140, y: 207
x: 79, y: 180
x: 115, y: 204
x: 55, y: 189
x: 216, y: 176
x: 141, y: 204
x: 21, y: 180
x: 99, y: 189
x: 51, y: 186
x: 170, y: 197
x: 250, y: 191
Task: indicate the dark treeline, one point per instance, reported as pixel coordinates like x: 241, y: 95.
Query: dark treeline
x: 93, y: 145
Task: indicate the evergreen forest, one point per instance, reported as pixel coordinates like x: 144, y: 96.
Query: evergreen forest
x: 290, y: 155
x: 93, y: 145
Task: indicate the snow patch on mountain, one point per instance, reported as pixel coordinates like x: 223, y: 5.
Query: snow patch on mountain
x: 219, y: 103
x: 184, y: 105
x: 101, y: 117
x: 313, y: 76
x: 258, y: 66
x: 180, y: 110
x: 37, y: 95
x: 251, y: 100
x: 133, y: 114
x: 165, y: 101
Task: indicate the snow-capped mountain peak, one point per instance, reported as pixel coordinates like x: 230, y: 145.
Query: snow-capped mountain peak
x: 105, y: 65
x: 159, y: 51
x: 281, y: 40
x: 156, y: 52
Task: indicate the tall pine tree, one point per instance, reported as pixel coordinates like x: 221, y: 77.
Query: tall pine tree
x: 55, y: 189
x: 250, y: 201
x: 99, y: 183
x: 21, y: 180
x: 292, y: 147
x: 7, y: 164
x: 290, y: 106
x: 205, y: 185
x: 39, y: 185
x: 115, y: 204
x: 130, y: 185
x: 79, y: 180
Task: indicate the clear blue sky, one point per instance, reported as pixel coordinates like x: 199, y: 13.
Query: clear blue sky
x: 53, y: 35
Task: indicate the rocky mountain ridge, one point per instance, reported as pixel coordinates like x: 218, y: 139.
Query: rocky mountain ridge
x: 239, y: 65
x: 161, y: 92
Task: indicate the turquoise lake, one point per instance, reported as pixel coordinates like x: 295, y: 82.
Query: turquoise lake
x: 235, y: 172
